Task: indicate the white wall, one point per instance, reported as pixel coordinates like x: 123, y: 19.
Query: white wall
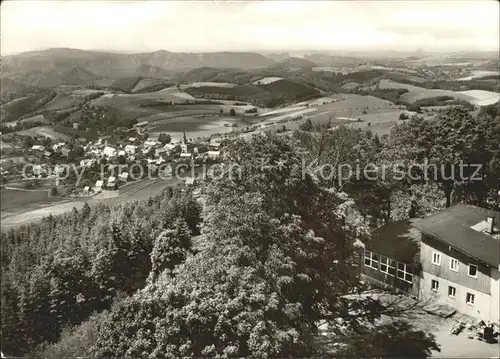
x: 483, y: 303
x: 495, y: 294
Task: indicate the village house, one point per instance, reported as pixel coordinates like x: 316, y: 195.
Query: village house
x: 123, y: 176
x: 109, y: 152
x: 460, y: 260
x: 167, y: 149
x: 130, y: 149
x: 213, y: 155
x: 151, y: 143
x: 38, y: 148
x: 98, y: 186
x: 65, y: 152
x: 214, y: 144
x: 111, y: 183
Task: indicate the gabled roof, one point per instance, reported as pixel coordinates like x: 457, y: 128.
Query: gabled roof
x: 396, y: 240
x: 453, y: 226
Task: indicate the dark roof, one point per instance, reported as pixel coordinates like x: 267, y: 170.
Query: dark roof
x: 453, y: 226
x: 396, y: 240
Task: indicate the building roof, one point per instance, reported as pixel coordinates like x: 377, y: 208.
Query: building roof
x: 396, y: 240
x: 99, y: 183
x: 453, y: 226
x: 38, y: 147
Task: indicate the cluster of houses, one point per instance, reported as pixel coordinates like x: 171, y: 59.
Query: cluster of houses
x: 450, y: 259
x: 127, y: 151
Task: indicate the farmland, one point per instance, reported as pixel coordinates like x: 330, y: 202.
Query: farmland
x: 417, y: 93
x: 46, y: 131
x: 267, y: 80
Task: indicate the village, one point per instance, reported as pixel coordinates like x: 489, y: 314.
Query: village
x: 107, y: 163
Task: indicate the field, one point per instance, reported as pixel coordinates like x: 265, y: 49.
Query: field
x: 211, y: 84
x: 35, y: 119
x: 46, y: 131
x: 477, y: 74
x: 35, y: 205
x: 267, y: 80
x: 417, y: 93
x: 482, y: 98
x: 150, y: 85
x: 380, y: 115
x: 18, y: 201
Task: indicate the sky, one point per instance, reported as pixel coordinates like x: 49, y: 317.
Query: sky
x: 195, y: 26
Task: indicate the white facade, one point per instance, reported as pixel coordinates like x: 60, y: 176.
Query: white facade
x: 481, y: 308
x: 109, y: 151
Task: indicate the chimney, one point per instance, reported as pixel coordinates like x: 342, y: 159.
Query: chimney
x: 491, y: 224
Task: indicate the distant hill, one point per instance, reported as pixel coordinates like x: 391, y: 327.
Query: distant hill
x: 330, y: 60
x: 12, y: 89
x: 278, y: 56
x: 153, y: 71
x: 53, y: 77
x: 47, y: 66
x: 268, y: 95
x: 294, y: 63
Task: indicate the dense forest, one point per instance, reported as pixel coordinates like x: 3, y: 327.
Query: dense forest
x: 251, y: 267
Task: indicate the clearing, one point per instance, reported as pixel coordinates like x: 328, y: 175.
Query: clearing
x: 211, y: 84
x: 477, y: 74
x: 418, y: 93
x: 19, y: 201
x: 46, y: 131
x: 481, y: 97
x: 267, y: 80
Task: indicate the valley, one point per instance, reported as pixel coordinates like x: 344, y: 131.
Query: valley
x: 76, y: 97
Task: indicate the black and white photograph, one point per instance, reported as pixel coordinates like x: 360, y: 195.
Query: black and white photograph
x: 254, y: 179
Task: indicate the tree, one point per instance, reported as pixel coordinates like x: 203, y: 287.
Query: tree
x: 232, y: 112
x: 170, y: 248
x: 413, y: 107
x: 221, y: 112
x: 122, y: 160
x: 28, y: 142
x: 453, y: 138
x: 403, y: 116
x: 164, y: 138
x: 53, y: 192
x: 306, y: 126
x: 184, y: 137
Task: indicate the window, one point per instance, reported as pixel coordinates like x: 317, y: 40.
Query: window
x: 387, y: 266
x: 436, y: 258
x: 469, y: 298
x: 434, y: 285
x: 405, y: 272
x: 472, y: 270
x: 452, y: 291
x: 371, y: 260
x: 454, y: 264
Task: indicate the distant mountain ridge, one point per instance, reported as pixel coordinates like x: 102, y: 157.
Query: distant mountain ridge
x: 117, y: 65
